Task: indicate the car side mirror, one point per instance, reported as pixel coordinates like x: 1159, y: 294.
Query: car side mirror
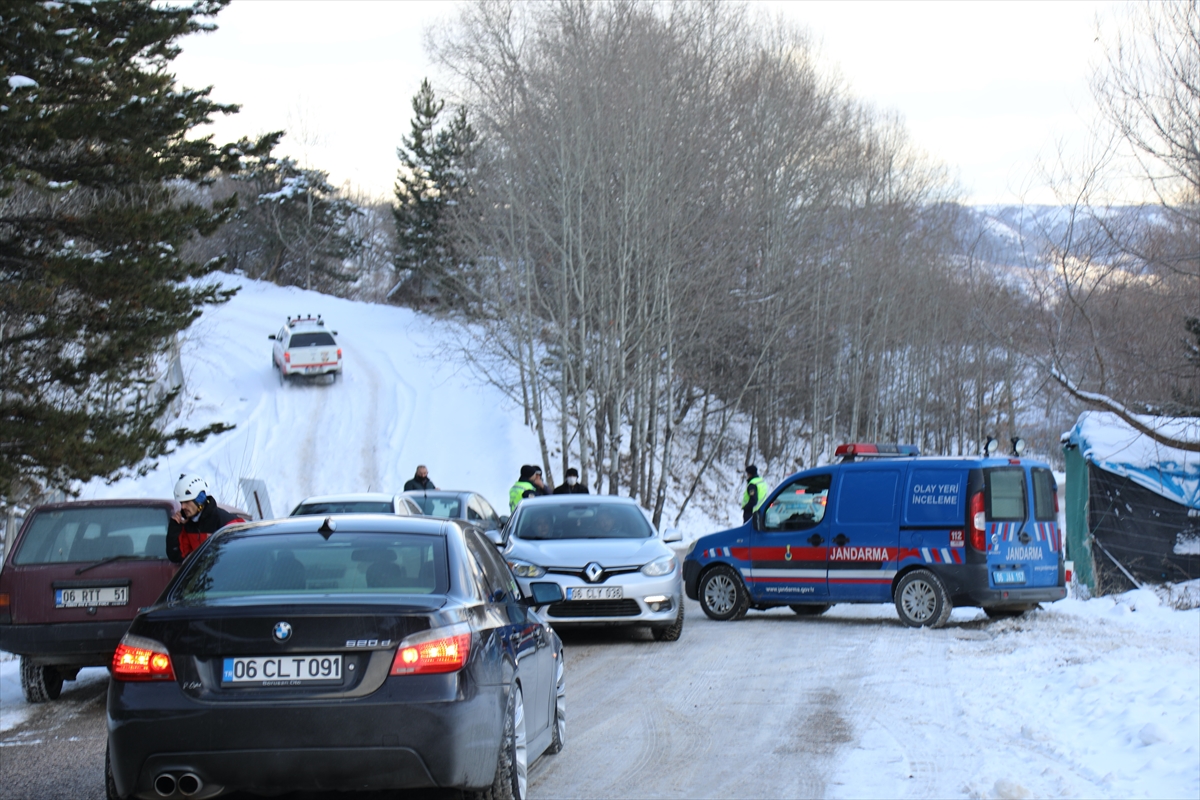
x: 503, y: 521
x: 495, y: 537
x: 672, y: 535
x: 543, y: 593
x: 272, y: 336
x: 335, y: 333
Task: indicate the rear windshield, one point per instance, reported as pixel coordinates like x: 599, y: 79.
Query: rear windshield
x: 306, y: 564
x: 1043, y: 496
x: 318, y: 339
x: 583, y: 521
x: 355, y: 507
x: 1005, y: 493
x: 91, y: 534
x: 444, y: 507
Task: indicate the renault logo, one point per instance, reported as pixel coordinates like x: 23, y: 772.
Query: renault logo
x: 282, y: 632
x: 593, y: 571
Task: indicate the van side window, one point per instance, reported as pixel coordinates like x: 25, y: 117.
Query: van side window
x: 801, y: 504
x: 1044, y: 495
x: 1005, y: 493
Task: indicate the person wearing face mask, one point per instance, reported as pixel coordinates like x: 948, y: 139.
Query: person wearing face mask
x: 571, y: 485
x: 198, y: 517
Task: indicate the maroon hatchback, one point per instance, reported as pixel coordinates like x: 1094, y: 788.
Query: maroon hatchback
x: 73, y: 579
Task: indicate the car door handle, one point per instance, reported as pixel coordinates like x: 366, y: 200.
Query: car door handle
x: 841, y: 539
x: 815, y: 540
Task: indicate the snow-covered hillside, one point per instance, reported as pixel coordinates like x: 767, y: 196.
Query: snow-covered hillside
x: 404, y: 399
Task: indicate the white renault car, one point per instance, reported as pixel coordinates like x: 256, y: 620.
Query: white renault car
x: 305, y: 346
x: 615, y: 569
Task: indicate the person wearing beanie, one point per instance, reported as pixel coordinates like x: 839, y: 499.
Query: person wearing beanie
x: 524, y: 487
x: 755, y: 493
x: 571, y: 484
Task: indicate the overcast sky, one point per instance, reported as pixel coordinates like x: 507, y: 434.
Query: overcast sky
x: 988, y: 88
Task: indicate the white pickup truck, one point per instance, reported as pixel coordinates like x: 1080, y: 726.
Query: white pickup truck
x: 305, y: 346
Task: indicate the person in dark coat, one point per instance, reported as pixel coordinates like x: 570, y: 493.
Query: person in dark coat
x: 419, y: 481
x: 198, y: 517
x: 571, y: 484
x: 539, y: 485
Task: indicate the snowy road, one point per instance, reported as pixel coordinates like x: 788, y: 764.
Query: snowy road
x: 1097, y: 699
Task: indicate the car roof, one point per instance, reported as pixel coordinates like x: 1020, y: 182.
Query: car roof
x: 349, y: 497
x: 348, y: 523
x: 578, y: 499
x: 152, y: 502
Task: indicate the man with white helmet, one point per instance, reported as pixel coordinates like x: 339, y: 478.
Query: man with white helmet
x: 198, y: 517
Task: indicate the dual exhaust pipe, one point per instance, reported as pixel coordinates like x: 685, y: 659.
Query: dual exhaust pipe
x: 187, y: 784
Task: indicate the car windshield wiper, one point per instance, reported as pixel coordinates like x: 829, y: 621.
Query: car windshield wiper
x: 111, y: 559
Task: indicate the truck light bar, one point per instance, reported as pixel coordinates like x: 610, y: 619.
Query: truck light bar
x: 851, y: 450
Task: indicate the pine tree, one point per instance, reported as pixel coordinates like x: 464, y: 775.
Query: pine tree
x: 301, y: 224
x: 95, y: 173
x: 433, y: 179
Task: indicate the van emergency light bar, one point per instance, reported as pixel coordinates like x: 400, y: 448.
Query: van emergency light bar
x: 849, y: 451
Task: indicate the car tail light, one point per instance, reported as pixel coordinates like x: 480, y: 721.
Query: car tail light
x: 339, y: 354
x: 977, y: 523
x: 141, y: 659
x: 439, y: 650
x: 287, y: 357
x: 5, y: 609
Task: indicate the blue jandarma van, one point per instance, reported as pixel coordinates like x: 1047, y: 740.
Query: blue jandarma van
x: 927, y: 533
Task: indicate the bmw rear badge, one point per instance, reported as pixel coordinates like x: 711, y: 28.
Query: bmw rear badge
x: 282, y: 632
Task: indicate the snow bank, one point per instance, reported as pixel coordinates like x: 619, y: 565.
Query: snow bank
x: 1095, y: 698
x: 1110, y: 443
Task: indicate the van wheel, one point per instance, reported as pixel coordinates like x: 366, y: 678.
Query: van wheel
x: 810, y: 610
x: 39, y: 682
x: 722, y: 596
x: 922, y: 600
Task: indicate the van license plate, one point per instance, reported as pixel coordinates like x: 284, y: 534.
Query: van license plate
x: 95, y: 596
x: 281, y: 670
x: 1010, y: 576
x: 596, y: 593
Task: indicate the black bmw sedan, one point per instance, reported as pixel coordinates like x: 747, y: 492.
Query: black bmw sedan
x: 358, y: 652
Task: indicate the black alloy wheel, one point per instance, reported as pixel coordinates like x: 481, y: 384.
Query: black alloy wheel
x: 672, y: 632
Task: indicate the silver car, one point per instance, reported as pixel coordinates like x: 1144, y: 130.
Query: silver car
x: 615, y: 569
x: 357, y: 503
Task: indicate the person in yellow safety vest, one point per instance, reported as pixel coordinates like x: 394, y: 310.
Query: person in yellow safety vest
x: 522, y: 488
x: 755, y: 494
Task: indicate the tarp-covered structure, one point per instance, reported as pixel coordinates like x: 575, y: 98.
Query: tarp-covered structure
x: 1132, y: 504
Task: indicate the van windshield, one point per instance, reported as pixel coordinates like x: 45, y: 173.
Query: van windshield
x: 94, y: 533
